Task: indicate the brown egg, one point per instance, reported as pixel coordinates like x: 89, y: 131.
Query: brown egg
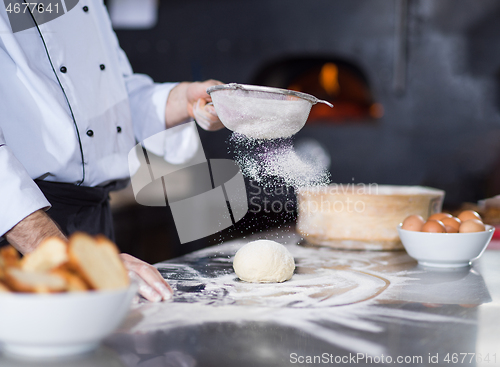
x: 439, y: 216
x: 450, y: 229
x: 469, y: 214
x: 472, y: 225
x: 413, y: 223
x: 452, y: 222
x: 434, y: 226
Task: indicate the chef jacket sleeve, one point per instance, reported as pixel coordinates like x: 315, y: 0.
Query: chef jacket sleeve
x: 176, y: 145
x: 19, y: 195
x: 147, y: 104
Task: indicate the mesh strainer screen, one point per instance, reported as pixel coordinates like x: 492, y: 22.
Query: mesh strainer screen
x: 260, y: 114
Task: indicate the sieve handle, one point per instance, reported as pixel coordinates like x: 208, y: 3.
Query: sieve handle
x: 322, y: 101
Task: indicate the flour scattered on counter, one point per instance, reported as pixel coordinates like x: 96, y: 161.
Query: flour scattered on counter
x: 170, y: 316
x: 274, y: 162
x: 329, y: 289
x: 321, y: 278
x: 366, y: 318
x: 345, y: 299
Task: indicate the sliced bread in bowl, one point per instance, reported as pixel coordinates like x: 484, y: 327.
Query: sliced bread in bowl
x: 97, y: 261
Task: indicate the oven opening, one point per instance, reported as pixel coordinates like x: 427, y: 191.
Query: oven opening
x: 337, y: 81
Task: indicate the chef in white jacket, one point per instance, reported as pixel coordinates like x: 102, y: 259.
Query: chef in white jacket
x: 71, y: 109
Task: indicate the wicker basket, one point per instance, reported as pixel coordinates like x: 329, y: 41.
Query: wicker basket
x: 362, y: 216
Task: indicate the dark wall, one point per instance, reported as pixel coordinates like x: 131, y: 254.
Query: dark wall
x: 434, y: 67
x: 440, y: 129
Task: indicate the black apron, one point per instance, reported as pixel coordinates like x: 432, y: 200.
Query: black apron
x: 81, y: 208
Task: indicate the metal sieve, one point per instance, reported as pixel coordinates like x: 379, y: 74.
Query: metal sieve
x: 262, y: 112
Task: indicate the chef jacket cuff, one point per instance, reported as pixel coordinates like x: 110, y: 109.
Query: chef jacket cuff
x: 159, y: 98
x: 19, y: 195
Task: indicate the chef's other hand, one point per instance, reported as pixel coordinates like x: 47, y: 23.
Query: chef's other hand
x: 191, y: 100
x: 205, y: 116
x: 152, y: 286
x: 199, y: 107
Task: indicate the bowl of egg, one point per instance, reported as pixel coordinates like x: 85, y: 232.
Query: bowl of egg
x: 445, y: 241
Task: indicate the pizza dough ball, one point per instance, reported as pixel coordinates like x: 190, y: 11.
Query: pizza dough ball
x: 264, y: 261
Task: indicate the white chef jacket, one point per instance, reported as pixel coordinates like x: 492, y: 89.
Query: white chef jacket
x: 71, y: 108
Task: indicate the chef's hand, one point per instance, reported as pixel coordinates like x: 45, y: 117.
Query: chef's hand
x: 204, y: 114
x: 198, y: 107
x: 152, y: 286
x: 191, y: 100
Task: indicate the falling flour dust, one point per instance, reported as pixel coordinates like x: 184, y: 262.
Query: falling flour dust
x: 273, y: 162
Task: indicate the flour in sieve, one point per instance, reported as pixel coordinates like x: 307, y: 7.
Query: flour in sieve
x: 272, y: 162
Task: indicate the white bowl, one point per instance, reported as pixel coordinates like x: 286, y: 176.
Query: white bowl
x: 54, y: 325
x: 445, y: 250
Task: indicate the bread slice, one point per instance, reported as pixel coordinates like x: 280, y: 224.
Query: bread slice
x: 38, y: 282
x: 74, y: 282
x: 2, y: 268
x: 49, y: 254
x: 97, y: 261
x: 4, y: 288
x: 9, y: 256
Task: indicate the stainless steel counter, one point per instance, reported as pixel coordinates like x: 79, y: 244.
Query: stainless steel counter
x: 339, y: 308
